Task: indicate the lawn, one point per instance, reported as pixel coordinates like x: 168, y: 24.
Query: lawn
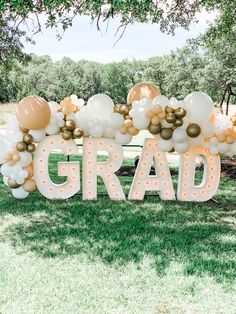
x: 117, y: 257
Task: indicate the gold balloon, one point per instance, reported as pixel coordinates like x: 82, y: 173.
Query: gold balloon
x: 67, y: 135
x: 78, y: 133
x: 24, y: 130
x: 28, y: 139
x: 31, y: 148
x: 193, y: 130
x: 12, y: 184
x: 166, y: 133
x: 29, y: 186
x: 154, y: 129
x: 169, y: 109
x: 21, y: 146
x: 179, y: 122
x: 70, y: 125
x: 33, y: 112
x: 170, y: 117
x: 180, y: 113
x: 142, y: 90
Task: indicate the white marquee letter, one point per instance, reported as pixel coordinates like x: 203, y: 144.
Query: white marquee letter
x: 161, y: 182
x: 92, y: 168
x: 69, y: 169
x: 187, y: 191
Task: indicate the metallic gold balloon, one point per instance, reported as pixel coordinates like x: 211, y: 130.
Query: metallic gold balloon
x: 67, y: 135
x: 12, y: 184
x: 24, y: 130
x: 124, y: 109
x: 29, y: 186
x: 193, y: 130
x: 169, y: 109
x: 142, y: 90
x: 166, y: 133
x: 31, y: 148
x: 33, y: 112
x: 28, y: 139
x: 154, y: 129
x: 180, y: 113
x: 78, y: 133
x: 179, y: 122
x: 21, y: 146
x: 70, y: 125
x: 170, y: 117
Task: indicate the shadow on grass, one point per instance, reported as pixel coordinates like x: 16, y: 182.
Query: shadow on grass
x: 199, y: 236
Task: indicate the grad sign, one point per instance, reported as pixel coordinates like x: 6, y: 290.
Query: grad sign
x: 190, y: 127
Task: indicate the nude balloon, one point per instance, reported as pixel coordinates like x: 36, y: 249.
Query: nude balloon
x: 142, y: 90
x: 33, y: 112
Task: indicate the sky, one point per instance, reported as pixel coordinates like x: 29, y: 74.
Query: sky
x: 140, y: 41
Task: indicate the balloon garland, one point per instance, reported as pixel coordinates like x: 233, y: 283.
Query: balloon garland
x: 177, y: 126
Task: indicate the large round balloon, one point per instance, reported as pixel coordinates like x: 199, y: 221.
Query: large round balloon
x: 33, y: 112
x: 100, y: 107
x: 3, y: 150
x: 199, y: 107
x: 142, y: 90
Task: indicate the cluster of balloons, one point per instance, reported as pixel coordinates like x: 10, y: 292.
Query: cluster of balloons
x: 224, y: 139
x: 177, y: 125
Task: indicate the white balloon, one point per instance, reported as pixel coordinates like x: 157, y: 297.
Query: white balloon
x: 71, y: 116
x: 197, y: 141
x: 3, y: 150
x: 174, y: 103
x: 181, y: 148
x: 38, y: 135
x: 23, y: 174
x: 19, y: 193
x: 109, y: 132
x: 25, y: 159
x: 13, y: 137
x: 5, y: 181
x: 214, y: 150
x: 213, y: 141
x: 165, y: 145
x: 207, y: 128
x: 52, y: 129
x: 116, y: 120
x: 223, y: 148
x: 16, y: 169
x: 6, y: 170
x: 233, y: 148
x: 53, y: 106
x: 60, y: 116
x: 161, y: 100
x: 19, y: 180
x: 165, y: 124
x: 100, y: 106
x: 179, y: 136
x: 123, y: 139
x: 12, y: 124
x: 199, y: 106
x: 141, y: 122
x: 96, y: 131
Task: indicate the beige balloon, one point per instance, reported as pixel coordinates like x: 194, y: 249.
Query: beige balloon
x: 142, y: 90
x: 33, y: 112
x: 29, y: 186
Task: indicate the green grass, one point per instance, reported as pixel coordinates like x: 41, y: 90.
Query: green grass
x: 117, y: 257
